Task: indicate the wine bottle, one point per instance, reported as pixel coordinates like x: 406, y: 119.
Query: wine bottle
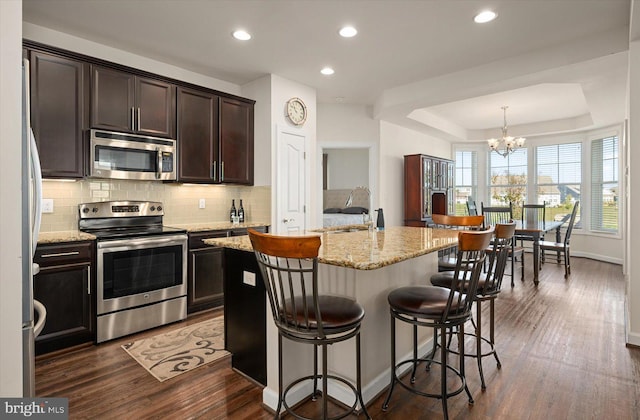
x: 233, y: 212
x: 241, y: 212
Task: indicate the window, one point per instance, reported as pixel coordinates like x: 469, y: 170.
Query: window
x: 558, y: 178
x: 604, y: 185
x: 466, y: 180
x: 508, y: 178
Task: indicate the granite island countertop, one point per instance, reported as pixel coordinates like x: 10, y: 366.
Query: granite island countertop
x: 363, y: 249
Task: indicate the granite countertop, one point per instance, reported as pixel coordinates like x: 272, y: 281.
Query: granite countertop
x: 363, y: 249
x: 202, y: 227
x: 64, y: 236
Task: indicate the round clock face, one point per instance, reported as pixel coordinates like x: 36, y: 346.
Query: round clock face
x: 296, y: 111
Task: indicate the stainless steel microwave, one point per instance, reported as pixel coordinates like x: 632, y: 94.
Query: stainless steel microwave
x: 130, y: 156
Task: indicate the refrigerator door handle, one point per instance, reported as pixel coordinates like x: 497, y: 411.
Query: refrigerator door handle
x: 37, y: 181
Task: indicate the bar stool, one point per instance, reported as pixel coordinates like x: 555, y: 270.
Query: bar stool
x: 440, y: 308
x: 488, y: 290
x: 289, y: 266
x: 447, y: 257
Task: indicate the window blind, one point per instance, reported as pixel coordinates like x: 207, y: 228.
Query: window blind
x: 465, y: 179
x: 604, y: 185
x: 508, y: 178
x: 558, y: 177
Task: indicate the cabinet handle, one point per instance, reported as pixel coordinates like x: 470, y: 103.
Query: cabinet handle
x: 60, y: 254
x: 159, y: 161
x: 138, y: 120
x: 221, y: 171
x: 133, y: 119
x: 89, y: 280
x: 213, y: 171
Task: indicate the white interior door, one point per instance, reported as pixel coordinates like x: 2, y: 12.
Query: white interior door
x: 292, y: 182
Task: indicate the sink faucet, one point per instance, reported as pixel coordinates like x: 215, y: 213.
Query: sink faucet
x: 367, y: 219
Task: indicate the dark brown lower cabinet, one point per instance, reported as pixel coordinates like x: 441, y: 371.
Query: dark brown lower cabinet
x: 205, y: 289
x: 65, y: 286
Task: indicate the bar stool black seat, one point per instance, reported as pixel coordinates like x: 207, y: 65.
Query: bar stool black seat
x: 442, y: 309
x: 289, y: 267
x: 489, y: 286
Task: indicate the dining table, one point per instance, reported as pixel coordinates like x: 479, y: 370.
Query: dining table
x: 534, y: 230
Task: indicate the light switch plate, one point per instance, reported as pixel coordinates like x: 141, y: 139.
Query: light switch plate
x: 249, y: 278
x: 201, y: 203
x: 47, y: 205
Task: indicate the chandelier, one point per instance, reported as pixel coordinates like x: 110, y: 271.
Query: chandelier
x: 507, y: 144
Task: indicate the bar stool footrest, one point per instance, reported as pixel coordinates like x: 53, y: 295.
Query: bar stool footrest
x: 351, y: 410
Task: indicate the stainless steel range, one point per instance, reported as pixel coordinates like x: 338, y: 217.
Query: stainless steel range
x: 141, y: 266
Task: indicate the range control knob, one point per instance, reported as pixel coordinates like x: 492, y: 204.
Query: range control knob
x: 85, y: 210
x: 95, y: 209
x: 159, y: 208
x: 152, y: 208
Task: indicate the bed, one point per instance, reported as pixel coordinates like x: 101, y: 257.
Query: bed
x: 345, y: 207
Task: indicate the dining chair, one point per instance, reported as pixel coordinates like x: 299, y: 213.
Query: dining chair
x: 447, y: 257
x: 472, y: 209
x: 494, y: 215
x: 563, y: 247
x: 289, y: 267
x: 532, y: 213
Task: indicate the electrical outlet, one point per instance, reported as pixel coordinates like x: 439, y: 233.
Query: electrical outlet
x: 249, y: 278
x: 47, y: 205
x: 201, y: 203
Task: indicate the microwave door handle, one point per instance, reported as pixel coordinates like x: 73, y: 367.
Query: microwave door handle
x: 159, y: 164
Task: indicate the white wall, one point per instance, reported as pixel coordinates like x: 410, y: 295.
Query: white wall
x: 395, y: 142
x: 260, y: 91
x: 347, y: 168
x: 10, y: 209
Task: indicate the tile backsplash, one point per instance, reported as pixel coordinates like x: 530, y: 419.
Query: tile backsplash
x: 181, y: 201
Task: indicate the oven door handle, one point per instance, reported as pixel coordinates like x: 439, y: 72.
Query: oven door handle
x: 130, y: 244
x: 159, y: 159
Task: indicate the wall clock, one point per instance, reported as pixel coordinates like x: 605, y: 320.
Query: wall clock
x: 296, y: 111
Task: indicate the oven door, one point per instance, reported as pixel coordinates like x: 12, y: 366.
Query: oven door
x: 139, y: 271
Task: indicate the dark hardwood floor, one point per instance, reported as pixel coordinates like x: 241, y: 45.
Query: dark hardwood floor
x: 561, y: 345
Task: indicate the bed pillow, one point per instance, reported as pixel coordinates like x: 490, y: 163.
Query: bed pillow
x: 332, y: 210
x: 355, y: 210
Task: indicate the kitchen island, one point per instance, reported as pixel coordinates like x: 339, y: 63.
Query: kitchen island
x: 362, y: 264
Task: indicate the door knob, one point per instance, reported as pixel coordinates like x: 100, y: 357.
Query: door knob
x: 288, y: 220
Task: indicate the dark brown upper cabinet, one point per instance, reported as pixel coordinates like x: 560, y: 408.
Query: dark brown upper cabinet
x: 197, y: 135
x: 59, y: 113
x: 236, y: 142
x: 215, y: 138
x: 133, y: 104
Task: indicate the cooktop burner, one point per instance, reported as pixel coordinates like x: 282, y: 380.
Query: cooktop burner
x: 124, y: 219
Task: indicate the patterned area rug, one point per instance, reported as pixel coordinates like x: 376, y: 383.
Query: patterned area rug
x: 170, y: 354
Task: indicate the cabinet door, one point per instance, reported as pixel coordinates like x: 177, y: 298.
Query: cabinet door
x: 65, y: 291
x: 197, y: 135
x: 205, y: 279
x: 155, y: 108
x: 59, y: 113
x: 236, y: 141
x: 113, y: 99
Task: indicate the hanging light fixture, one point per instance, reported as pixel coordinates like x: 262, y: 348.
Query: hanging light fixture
x: 507, y: 144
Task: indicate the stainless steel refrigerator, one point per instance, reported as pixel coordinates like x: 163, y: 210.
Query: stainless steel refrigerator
x: 31, y: 213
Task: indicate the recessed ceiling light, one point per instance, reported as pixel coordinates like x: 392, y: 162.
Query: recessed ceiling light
x: 241, y: 35
x: 327, y: 71
x: 485, y: 16
x: 348, y: 32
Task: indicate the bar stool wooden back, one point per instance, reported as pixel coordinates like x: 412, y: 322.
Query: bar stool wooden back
x: 447, y: 257
x: 488, y: 289
x: 289, y: 267
x: 442, y: 309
